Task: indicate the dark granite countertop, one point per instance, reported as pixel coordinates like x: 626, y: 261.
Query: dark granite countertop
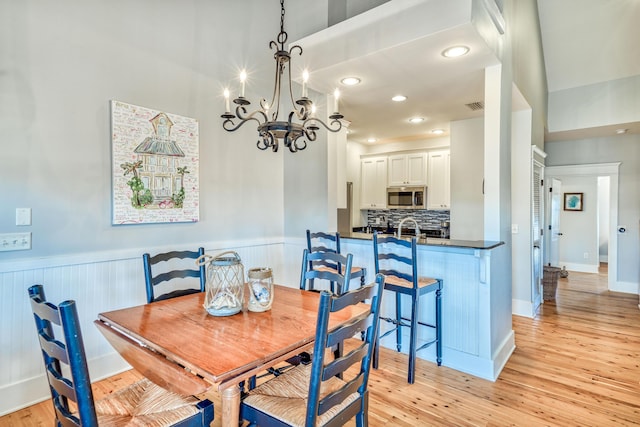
x: 453, y: 243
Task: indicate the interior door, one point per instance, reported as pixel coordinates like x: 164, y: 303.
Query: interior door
x: 536, y: 235
x: 555, y: 192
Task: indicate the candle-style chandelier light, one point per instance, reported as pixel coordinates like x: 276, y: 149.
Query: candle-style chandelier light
x: 293, y: 133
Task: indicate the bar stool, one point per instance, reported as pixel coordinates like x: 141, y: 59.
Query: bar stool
x: 330, y: 242
x: 391, y: 252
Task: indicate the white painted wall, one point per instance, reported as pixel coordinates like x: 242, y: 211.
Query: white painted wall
x: 521, y: 212
x: 579, y: 241
x: 467, y: 173
x: 600, y: 104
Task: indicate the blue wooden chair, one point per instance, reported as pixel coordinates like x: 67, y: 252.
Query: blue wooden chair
x: 338, y: 275
x: 330, y: 242
x: 182, y: 280
x: 313, y: 395
x: 390, y: 255
x: 142, y: 402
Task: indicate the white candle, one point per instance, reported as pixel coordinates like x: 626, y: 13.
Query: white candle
x: 226, y: 99
x: 305, y: 79
x: 313, y: 110
x: 336, y: 97
x: 243, y: 78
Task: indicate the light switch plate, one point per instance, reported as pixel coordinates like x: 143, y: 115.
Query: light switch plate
x: 23, y: 216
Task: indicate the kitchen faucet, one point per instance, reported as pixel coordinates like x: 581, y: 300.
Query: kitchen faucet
x: 403, y: 221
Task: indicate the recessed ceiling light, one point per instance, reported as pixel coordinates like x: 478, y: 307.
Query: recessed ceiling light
x: 350, y: 81
x: 371, y: 140
x: 437, y: 131
x: 416, y: 119
x: 621, y: 131
x: 399, y: 98
x: 455, y: 51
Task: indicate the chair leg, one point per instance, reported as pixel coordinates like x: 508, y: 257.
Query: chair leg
x: 362, y: 418
x: 399, y: 320
x: 376, y: 350
x: 439, y: 326
x: 413, y: 338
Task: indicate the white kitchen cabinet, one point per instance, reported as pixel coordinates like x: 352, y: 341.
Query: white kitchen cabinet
x: 407, y: 169
x: 439, y: 187
x: 373, y: 186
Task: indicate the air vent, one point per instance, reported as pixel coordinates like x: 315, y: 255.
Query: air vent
x: 475, y: 106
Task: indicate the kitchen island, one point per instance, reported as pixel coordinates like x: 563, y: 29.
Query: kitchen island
x: 476, y: 301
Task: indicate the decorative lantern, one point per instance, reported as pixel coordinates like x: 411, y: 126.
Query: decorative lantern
x: 225, y: 284
x: 260, y: 286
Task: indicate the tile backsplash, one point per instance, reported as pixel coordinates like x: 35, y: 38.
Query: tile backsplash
x: 426, y: 218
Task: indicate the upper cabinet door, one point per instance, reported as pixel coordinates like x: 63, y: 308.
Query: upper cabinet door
x: 407, y: 169
x: 373, y: 184
x: 438, y: 193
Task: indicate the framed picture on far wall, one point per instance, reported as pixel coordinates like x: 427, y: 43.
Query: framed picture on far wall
x: 154, y: 166
x: 573, y: 201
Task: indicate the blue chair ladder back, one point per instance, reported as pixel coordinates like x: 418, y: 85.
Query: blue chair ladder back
x: 152, y: 281
x: 348, y: 397
x: 398, y: 251
x: 338, y: 283
x: 71, y: 353
x: 330, y: 242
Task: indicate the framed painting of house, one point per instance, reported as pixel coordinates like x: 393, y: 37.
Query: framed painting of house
x: 155, y: 158
x: 573, y: 201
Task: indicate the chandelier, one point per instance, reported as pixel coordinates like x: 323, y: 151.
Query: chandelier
x: 301, y: 124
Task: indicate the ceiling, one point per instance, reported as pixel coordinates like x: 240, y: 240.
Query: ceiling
x: 584, y: 42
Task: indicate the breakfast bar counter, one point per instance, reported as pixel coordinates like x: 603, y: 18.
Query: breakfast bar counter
x: 476, y: 300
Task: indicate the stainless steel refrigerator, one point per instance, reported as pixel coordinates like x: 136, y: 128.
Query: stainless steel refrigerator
x: 345, y: 216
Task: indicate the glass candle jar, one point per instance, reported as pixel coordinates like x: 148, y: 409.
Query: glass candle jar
x: 225, y: 285
x: 260, y: 286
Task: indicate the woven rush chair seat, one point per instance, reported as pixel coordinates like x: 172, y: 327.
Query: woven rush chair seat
x: 397, y: 281
x: 144, y: 403
x: 285, y: 397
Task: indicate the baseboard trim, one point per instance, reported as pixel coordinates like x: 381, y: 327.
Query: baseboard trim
x: 625, y: 287
x: 522, y: 308
x: 580, y: 268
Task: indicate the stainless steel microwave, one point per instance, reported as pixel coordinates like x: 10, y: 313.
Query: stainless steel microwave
x: 407, y: 197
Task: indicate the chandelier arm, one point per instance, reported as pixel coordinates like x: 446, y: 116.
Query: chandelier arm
x: 230, y: 126
x: 289, y: 70
x: 313, y: 120
x: 241, y: 112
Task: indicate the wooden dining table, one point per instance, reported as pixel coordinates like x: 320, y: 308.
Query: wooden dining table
x: 181, y: 347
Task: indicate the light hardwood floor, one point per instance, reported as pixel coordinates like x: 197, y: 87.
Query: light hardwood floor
x: 577, y: 363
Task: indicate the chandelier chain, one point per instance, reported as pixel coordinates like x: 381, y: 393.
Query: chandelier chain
x: 282, y: 16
